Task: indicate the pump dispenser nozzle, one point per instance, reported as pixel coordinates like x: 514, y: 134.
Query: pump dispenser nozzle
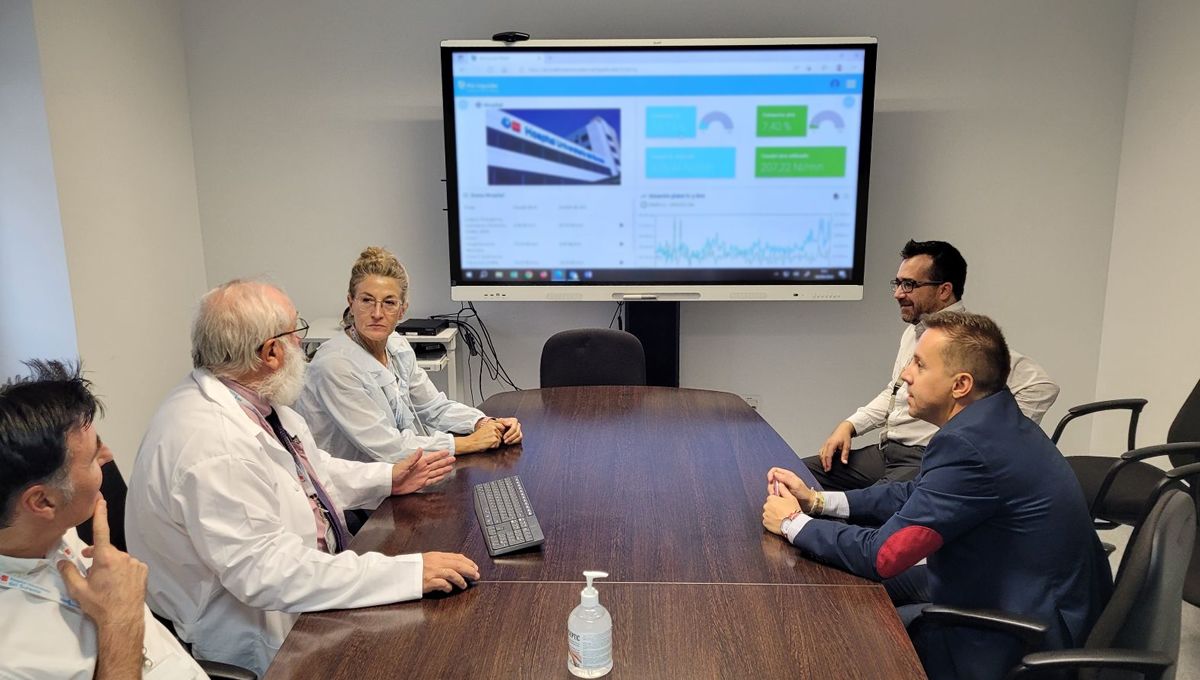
x: 589, y: 633
x: 589, y: 596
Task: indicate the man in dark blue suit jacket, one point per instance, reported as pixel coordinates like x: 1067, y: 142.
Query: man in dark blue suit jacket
x: 995, y: 511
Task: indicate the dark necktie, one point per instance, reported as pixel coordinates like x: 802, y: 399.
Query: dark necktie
x: 340, y: 533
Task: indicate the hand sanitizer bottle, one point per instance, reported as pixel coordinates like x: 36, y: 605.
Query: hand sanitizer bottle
x: 589, y: 633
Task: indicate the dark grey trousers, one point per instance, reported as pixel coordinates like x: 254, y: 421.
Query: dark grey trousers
x: 869, y: 465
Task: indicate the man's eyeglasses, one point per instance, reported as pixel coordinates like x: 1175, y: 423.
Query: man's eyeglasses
x: 366, y: 303
x: 909, y: 285
x: 300, y: 330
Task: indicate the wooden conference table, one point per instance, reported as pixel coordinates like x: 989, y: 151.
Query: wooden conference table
x: 660, y: 487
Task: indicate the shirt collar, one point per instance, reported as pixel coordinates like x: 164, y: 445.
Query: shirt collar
x: 391, y: 346
x: 261, y: 405
x: 24, y: 566
x: 350, y: 348
x: 958, y: 306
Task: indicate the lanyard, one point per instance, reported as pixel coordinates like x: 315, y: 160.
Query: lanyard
x: 287, y: 445
x: 289, y: 441
x: 11, y: 582
x: 16, y: 583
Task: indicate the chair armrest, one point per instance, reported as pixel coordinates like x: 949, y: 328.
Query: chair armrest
x: 1134, y: 406
x: 1172, y: 479
x: 224, y: 671
x: 1151, y: 665
x: 1145, y: 452
x: 1184, y: 472
x: 1029, y: 631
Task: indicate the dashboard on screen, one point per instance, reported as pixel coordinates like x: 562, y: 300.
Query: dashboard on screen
x: 658, y: 169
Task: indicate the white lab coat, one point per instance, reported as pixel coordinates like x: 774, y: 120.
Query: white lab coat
x: 41, y: 638
x: 359, y: 409
x: 216, y: 510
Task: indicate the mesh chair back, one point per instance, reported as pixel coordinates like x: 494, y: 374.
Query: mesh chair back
x: 593, y: 356
x: 1146, y: 605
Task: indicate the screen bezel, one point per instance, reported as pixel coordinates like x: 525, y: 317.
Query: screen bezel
x: 849, y: 288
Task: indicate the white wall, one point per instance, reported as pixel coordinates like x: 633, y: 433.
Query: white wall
x: 116, y: 101
x: 36, y: 318
x: 1150, y: 322
x: 317, y: 131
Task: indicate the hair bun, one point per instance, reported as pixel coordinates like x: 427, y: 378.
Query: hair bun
x: 379, y: 261
x: 375, y: 254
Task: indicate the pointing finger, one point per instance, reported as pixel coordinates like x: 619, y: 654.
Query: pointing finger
x: 100, y: 533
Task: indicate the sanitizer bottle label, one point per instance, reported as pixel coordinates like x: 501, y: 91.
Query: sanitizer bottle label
x: 591, y: 650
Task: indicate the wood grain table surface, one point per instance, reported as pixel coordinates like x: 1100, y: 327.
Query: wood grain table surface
x: 660, y: 487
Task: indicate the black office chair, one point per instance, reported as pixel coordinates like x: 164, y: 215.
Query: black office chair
x: 1138, y: 630
x: 593, y: 356
x: 1118, y: 491
x: 1186, y: 428
x: 112, y: 485
x: 1125, y: 501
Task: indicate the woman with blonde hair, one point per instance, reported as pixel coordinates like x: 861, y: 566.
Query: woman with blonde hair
x: 364, y: 396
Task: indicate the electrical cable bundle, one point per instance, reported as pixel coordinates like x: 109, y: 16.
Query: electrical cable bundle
x: 478, y: 339
x: 479, y: 343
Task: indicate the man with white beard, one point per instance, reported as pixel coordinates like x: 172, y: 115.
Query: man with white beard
x: 236, y: 511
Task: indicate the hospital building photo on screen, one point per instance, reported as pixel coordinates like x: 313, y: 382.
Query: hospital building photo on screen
x: 553, y: 146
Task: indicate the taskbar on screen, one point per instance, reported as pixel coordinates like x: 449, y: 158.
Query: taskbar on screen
x: 664, y: 276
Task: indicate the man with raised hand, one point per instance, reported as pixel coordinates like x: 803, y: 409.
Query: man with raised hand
x: 68, y: 610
